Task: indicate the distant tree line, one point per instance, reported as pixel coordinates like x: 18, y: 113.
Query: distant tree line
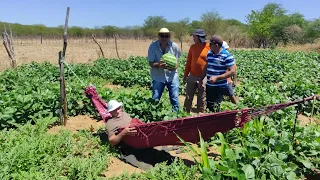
x: 267, y: 27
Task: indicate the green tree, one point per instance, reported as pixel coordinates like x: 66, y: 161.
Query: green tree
x: 152, y: 25
x: 155, y: 22
x: 260, y: 22
x: 312, y: 31
x: 110, y: 30
x: 76, y: 31
x: 183, y: 26
x: 210, y: 22
x: 283, y: 27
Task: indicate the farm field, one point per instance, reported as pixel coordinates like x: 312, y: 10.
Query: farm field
x: 32, y: 147
x: 78, y: 50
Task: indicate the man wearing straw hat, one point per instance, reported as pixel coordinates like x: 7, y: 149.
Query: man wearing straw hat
x: 162, y: 75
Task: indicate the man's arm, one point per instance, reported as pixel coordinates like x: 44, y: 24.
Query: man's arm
x: 115, y: 139
x: 188, y: 65
x: 231, y: 66
x: 205, y: 69
x: 151, y: 58
x: 235, y: 78
x: 228, y: 74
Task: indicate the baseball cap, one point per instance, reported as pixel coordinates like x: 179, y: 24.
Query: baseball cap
x: 216, y: 39
x: 198, y: 32
x: 201, y: 34
x: 225, y: 45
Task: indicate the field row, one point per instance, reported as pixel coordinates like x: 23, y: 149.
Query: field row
x: 261, y: 150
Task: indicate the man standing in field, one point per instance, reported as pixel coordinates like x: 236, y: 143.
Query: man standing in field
x: 196, y: 62
x: 219, y: 60
x: 162, y: 75
x: 233, y: 79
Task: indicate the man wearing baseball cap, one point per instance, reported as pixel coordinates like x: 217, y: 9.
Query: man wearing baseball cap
x: 196, y: 62
x: 219, y: 60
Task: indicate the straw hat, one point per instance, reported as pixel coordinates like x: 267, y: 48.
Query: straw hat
x: 164, y: 30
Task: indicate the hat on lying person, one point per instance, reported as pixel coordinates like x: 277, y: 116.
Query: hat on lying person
x: 164, y: 30
x: 216, y: 39
x: 113, y: 104
x: 201, y: 34
x: 225, y: 45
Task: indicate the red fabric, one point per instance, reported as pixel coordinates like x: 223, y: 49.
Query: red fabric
x: 98, y: 103
x: 164, y: 132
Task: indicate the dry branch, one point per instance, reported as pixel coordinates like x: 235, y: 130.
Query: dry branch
x: 94, y: 39
x: 8, y: 44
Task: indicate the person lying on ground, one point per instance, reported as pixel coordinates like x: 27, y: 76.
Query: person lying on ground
x: 142, y: 158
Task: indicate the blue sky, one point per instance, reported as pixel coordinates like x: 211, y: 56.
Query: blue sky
x: 91, y: 13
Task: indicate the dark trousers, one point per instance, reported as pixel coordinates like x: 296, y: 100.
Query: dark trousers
x: 144, y: 158
x: 214, y: 96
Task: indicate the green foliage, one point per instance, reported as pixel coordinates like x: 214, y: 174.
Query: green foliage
x: 110, y: 30
x: 280, y: 28
x: 270, y: 153
x: 29, y: 152
x: 312, y: 31
x: 211, y: 21
x: 32, y: 91
x: 262, y: 149
x: 260, y: 22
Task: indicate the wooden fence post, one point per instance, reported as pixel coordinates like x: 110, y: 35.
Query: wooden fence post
x: 62, y: 54
x: 115, y: 41
x: 181, y: 41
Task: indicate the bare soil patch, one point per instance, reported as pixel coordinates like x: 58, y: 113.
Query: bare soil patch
x: 117, y: 167
x: 78, y: 50
x: 304, y: 120
x: 77, y: 123
x: 112, y: 86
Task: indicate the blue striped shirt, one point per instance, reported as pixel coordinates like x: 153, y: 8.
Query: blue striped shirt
x: 218, y: 65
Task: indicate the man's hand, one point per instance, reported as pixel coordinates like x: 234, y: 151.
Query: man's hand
x: 184, y: 80
x: 234, y: 83
x: 213, y: 79
x: 162, y: 64
x: 171, y: 69
x: 129, y: 131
